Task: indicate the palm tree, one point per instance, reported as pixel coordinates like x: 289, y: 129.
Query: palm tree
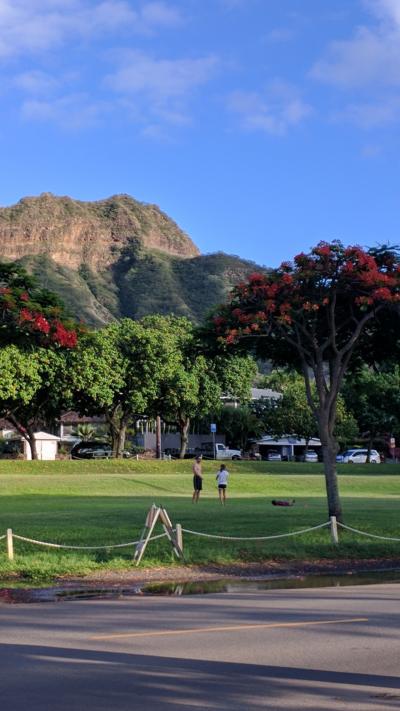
x: 85, y: 431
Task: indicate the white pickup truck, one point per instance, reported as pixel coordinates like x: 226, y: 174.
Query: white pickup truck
x: 220, y: 452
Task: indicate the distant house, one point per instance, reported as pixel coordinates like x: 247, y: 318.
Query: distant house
x: 6, y: 429
x: 70, y: 420
x: 257, y: 394
x: 289, y: 447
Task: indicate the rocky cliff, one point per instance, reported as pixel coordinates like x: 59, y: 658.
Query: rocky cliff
x: 95, y: 234
x: 115, y: 257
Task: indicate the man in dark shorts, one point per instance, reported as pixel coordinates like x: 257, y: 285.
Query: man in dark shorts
x: 197, y: 480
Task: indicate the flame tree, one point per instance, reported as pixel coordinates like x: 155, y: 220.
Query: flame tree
x: 315, y: 314
x: 31, y: 316
x: 36, y: 336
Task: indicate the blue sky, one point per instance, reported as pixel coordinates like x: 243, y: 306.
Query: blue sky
x: 260, y: 126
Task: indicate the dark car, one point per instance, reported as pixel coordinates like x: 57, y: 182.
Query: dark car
x: 91, y: 450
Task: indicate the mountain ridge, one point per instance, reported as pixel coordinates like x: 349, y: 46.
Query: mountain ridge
x: 115, y: 257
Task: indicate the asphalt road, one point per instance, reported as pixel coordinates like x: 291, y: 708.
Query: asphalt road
x: 323, y: 649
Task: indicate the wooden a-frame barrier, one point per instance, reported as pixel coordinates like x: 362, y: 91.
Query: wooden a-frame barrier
x: 158, y: 513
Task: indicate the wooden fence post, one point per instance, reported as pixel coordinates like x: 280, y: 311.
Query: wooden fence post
x: 334, y: 530
x: 10, y: 544
x: 179, y: 536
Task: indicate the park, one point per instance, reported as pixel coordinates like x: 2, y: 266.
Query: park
x: 240, y: 648
x: 104, y: 503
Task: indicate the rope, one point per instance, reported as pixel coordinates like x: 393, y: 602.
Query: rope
x: 84, y: 548
x: 255, y: 538
x: 364, y: 533
x: 1, y: 537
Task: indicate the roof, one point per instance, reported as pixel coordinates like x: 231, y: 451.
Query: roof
x: 71, y: 417
x: 46, y: 436
x: 288, y: 440
x: 264, y: 394
x: 256, y: 394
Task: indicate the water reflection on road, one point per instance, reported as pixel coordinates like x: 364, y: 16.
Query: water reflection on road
x: 14, y: 593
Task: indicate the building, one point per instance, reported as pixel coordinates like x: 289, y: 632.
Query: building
x: 289, y: 447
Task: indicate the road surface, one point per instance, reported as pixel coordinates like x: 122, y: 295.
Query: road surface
x: 325, y: 649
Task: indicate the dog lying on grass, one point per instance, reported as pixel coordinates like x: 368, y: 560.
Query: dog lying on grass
x: 283, y: 502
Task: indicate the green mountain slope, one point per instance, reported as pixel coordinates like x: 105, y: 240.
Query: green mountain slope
x: 115, y: 257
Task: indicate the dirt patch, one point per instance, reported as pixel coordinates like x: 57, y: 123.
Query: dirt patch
x: 239, y: 571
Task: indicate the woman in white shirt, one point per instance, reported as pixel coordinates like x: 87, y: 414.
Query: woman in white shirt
x: 222, y: 481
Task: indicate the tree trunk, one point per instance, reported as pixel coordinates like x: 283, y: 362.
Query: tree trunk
x: 325, y: 414
x: 25, y: 432
x: 119, y: 442
x: 329, y: 451
x: 32, y: 443
x: 184, y: 433
x: 117, y: 425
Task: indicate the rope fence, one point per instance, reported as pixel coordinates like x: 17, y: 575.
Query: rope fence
x: 365, y: 533
x: 83, y: 548
x: 255, y: 538
x: 333, y: 524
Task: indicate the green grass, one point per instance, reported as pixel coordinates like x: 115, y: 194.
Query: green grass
x: 102, y: 503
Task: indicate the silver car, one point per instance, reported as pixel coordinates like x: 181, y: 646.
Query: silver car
x: 311, y: 456
x: 358, y: 456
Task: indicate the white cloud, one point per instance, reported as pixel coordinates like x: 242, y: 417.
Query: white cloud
x: 279, y: 34
x: 371, y: 115
x: 371, y: 150
x: 159, y: 14
x: 370, y: 56
x: 33, y: 26
x: 388, y: 11
x: 274, y: 111
x: 35, y: 82
x: 159, y: 88
x: 160, y: 78
x: 72, y: 112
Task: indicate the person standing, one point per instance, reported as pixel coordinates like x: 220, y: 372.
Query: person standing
x: 222, y: 482
x: 197, y: 480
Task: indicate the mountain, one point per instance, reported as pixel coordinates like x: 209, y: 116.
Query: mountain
x: 115, y: 257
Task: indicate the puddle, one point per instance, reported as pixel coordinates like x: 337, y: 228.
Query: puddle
x: 251, y: 586
x: 15, y: 595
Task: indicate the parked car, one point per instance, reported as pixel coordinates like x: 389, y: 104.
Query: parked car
x: 218, y: 451
x: 91, y: 450
x: 274, y: 456
x: 95, y: 450
x: 310, y: 456
x: 358, y: 456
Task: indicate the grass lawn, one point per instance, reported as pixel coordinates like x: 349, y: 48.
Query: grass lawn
x: 105, y: 502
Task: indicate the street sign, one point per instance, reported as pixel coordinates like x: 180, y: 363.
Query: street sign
x: 213, y: 427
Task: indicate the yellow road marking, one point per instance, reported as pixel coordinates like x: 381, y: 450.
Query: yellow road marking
x: 232, y: 628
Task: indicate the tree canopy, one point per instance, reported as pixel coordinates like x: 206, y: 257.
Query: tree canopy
x: 30, y: 315
x: 311, y: 313
x: 374, y: 399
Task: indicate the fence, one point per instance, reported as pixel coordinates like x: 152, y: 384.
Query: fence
x: 178, y: 531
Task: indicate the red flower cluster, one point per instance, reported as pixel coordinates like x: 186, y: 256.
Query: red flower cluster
x: 26, y: 315
x: 65, y: 338
x: 40, y: 323
x: 302, y: 291
x: 57, y: 331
